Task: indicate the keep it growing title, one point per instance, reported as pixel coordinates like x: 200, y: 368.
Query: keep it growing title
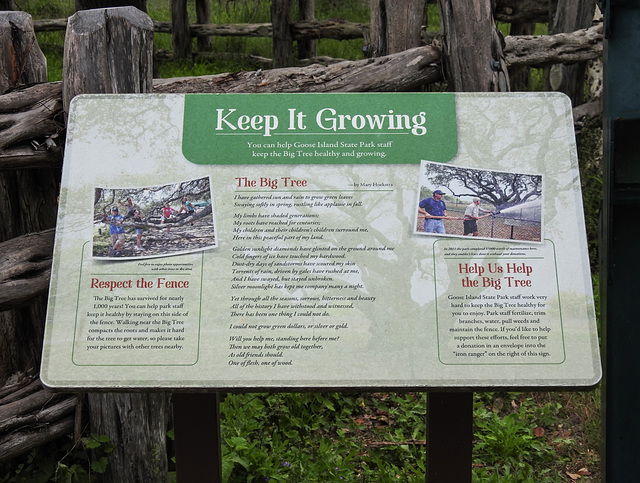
x: 328, y: 119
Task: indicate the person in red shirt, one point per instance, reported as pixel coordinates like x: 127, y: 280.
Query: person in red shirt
x: 167, y: 211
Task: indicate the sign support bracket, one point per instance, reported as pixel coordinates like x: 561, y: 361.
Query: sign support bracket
x: 198, y: 443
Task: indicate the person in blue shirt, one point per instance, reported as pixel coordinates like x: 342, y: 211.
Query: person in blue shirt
x: 116, y: 230
x: 434, y: 211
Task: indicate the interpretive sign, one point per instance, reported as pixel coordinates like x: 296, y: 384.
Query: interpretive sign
x: 246, y: 241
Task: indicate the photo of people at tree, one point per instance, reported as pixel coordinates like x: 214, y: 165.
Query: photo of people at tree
x: 153, y: 221
x: 459, y: 201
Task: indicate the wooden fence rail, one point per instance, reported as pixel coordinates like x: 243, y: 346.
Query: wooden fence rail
x: 21, y: 111
x: 303, y: 30
x: 508, y: 11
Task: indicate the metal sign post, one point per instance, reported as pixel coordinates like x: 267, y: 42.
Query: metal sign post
x: 197, y: 430
x: 620, y: 263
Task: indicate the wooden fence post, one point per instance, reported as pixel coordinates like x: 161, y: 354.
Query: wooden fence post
x: 111, y: 51
x: 21, y: 60
x: 520, y: 76
x: 306, y: 47
x: 180, y: 29
x: 108, y: 51
x: 471, y: 65
x: 395, y: 26
x: 203, y: 17
x: 27, y: 197
x: 568, y: 16
x: 282, y: 38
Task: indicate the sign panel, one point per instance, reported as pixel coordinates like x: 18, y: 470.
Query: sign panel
x: 320, y: 241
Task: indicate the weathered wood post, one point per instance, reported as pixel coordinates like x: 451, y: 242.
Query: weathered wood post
x: 27, y: 197
x: 569, y: 16
x: 21, y: 60
x: 180, y: 29
x: 520, y: 77
x: 111, y: 51
x: 282, y: 38
x: 203, y: 16
x: 108, y: 51
x: 470, y: 64
x: 395, y: 26
x: 28, y: 203
x: 306, y: 48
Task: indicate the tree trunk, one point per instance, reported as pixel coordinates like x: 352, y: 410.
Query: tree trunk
x: 136, y: 423
x: 180, y: 29
x: 306, y: 47
x: 395, y: 26
x: 203, y: 17
x: 91, y: 4
x: 282, y: 39
x: 471, y: 65
x: 27, y: 196
x: 567, y: 16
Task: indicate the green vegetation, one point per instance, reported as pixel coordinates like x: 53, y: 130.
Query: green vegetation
x: 324, y: 437
x: 365, y: 437
x: 379, y: 437
x: 61, y: 461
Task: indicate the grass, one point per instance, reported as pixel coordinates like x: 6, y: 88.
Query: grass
x: 367, y: 437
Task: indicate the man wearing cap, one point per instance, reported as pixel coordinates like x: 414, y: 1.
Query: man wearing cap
x: 434, y: 211
x: 472, y: 215
x: 116, y: 230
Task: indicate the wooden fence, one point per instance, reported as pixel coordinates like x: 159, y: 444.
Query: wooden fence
x: 508, y: 11
x: 32, y: 130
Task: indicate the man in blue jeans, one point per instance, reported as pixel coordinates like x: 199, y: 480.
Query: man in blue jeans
x: 434, y: 210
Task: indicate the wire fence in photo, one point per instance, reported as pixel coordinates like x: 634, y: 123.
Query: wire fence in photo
x: 510, y: 225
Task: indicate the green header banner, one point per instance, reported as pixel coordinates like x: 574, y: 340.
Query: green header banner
x: 340, y: 128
